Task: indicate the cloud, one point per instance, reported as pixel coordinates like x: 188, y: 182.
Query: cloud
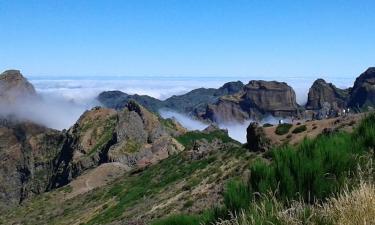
x: 64, y: 100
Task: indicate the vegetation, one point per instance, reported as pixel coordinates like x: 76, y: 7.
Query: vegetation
x: 283, y: 128
x: 314, y: 183
x: 306, y: 175
x: 267, y: 125
x: 299, y: 129
x: 189, y: 138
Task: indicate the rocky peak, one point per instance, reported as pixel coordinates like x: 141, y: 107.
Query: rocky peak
x: 322, y: 93
x: 14, y: 86
x: 270, y: 96
x: 363, y: 92
x: 258, y: 98
x: 231, y: 88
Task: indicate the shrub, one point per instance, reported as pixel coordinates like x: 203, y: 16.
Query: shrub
x: 236, y: 196
x: 282, y: 129
x: 178, y: 220
x: 267, y: 125
x: 299, y: 129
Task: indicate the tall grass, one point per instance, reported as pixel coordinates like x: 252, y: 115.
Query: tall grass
x: 313, y: 171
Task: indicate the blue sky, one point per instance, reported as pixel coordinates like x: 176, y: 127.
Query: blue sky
x: 187, y: 37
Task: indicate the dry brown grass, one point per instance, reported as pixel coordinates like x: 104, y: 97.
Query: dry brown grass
x: 354, y: 206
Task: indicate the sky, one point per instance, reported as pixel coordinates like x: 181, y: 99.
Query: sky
x: 187, y: 37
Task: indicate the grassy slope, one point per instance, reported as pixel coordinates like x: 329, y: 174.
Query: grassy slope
x: 291, y: 187
x: 177, y: 184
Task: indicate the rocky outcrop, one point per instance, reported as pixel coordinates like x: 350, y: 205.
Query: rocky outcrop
x: 133, y: 136
x: 256, y: 138
x: 27, y: 154
x: 322, y: 93
x: 192, y: 103
x: 362, y: 95
x: 257, y: 99
x: 13, y: 87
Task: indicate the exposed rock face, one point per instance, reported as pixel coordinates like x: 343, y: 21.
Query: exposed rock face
x: 192, y: 103
x: 27, y: 153
x: 256, y: 138
x: 134, y: 137
x: 257, y: 99
x: 363, y: 93
x: 13, y: 86
x: 322, y: 92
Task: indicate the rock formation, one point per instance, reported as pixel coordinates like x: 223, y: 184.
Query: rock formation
x: 256, y: 138
x: 133, y: 136
x: 27, y: 154
x: 322, y: 92
x: 257, y: 99
x: 13, y: 87
x: 362, y: 95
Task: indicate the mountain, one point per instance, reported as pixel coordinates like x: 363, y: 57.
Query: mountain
x: 322, y: 92
x: 192, y: 103
x: 13, y: 87
x: 133, y: 137
x: 118, y: 100
x: 257, y: 99
x: 27, y: 154
x: 362, y: 94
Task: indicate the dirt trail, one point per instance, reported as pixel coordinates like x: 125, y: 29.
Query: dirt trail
x: 96, y: 177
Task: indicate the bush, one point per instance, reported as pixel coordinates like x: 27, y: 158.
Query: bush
x: 313, y: 171
x: 236, y: 196
x: 299, y: 129
x: 178, y: 220
x: 267, y: 125
x: 282, y: 129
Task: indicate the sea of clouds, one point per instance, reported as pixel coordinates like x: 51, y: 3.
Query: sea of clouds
x: 65, y: 99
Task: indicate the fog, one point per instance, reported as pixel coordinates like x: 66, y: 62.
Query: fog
x: 236, y: 130
x: 63, y: 100
x: 51, y: 111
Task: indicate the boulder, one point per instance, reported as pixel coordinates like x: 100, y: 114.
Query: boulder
x: 363, y: 93
x: 322, y: 92
x: 256, y: 138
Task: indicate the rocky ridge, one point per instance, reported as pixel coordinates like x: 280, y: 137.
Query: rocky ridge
x: 257, y: 99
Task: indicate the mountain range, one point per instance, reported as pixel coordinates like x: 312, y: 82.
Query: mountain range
x: 122, y: 163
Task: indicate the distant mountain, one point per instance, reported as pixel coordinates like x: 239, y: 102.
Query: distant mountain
x: 322, y: 92
x: 191, y: 103
x: 257, y: 99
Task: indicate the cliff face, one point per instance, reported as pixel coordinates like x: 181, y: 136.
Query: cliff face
x: 363, y: 92
x: 257, y: 99
x: 322, y: 92
x: 27, y: 153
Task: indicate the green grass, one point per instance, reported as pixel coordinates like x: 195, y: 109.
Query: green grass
x: 282, y: 129
x: 189, y: 138
x: 299, y: 129
x: 147, y: 183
